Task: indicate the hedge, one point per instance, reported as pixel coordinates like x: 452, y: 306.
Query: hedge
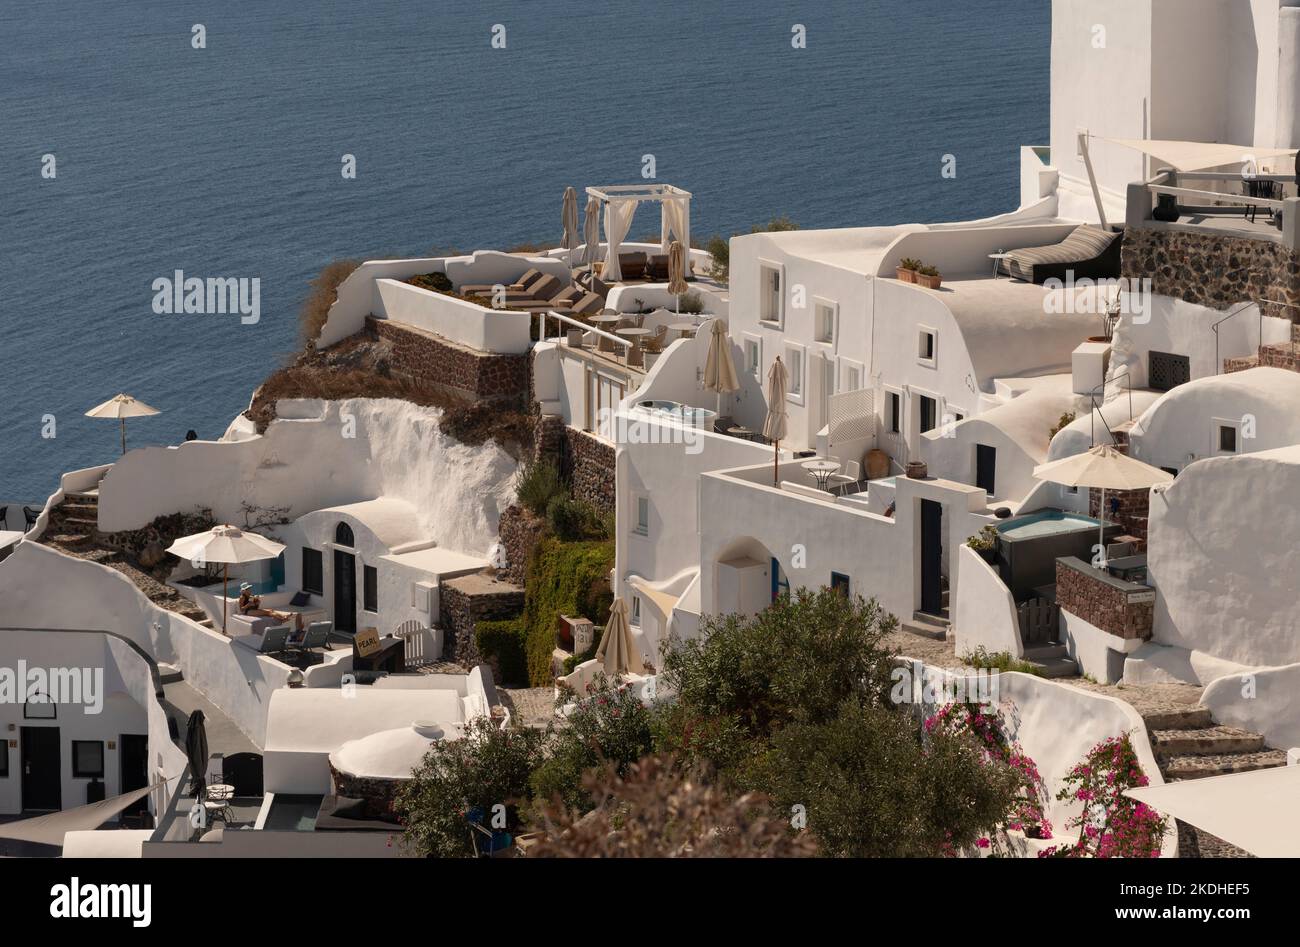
x: 563, y: 578
x: 504, y: 641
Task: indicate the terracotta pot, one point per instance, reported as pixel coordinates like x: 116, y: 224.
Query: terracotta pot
x: 907, y: 276
x: 1099, y: 338
x: 929, y: 282
x: 917, y: 470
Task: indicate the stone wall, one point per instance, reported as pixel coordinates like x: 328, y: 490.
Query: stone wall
x: 1211, y: 269
x: 427, y: 357
x: 467, y: 600
x: 378, y: 795
x: 1131, y: 516
x: 587, y: 463
x: 1104, y: 601
x: 519, y: 529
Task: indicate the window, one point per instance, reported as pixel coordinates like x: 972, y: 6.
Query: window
x: 926, y: 343
x: 895, y: 412
x: 1227, y: 438
x: 753, y: 355
x: 370, y: 588
x: 642, y: 527
x: 4, y: 759
x: 313, y: 571
x: 343, y: 535
x: 929, y: 413
x: 770, y: 308
x: 88, y: 759
x: 636, y: 610
x: 840, y: 583
x: 40, y: 707
x: 794, y: 372
x: 825, y: 321
x: 850, y: 375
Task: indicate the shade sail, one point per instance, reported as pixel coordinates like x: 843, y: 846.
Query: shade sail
x: 1200, y: 155
x: 1257, y: 811
x: 50, y: 829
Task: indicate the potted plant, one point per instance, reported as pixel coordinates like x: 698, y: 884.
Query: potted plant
x: 929, y: 277
x: 906, y: 269
x: 985, y: 542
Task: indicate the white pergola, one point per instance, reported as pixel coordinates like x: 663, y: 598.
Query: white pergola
x: 620, y: 203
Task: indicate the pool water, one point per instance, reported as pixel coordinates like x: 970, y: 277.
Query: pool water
x: 1046, y: 523
x: 291, y: 813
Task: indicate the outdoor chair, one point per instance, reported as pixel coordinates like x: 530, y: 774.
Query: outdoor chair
x: 849, y: 473
x: 316, y: 635
x: 274, y: 640
x: 655, y: 343
x: 522, y: 285
x: 30, y: 516
x: 632, y: 266
x: 656, y: 267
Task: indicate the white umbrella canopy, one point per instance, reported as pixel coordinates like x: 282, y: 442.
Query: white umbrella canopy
x: 719, y: 369
x: 120, y: 407
x: 616, y: 648
x: 1258, y: 811
x: 774, y: 424
x: 225, y: 544
x: 1104, y: 468
x: 569, y: 218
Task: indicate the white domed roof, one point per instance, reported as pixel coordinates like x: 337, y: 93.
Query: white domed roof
x: 392, y: 754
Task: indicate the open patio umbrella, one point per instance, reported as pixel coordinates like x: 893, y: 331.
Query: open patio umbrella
x: 569, y: 217
x: 719, y: 370
x: 616, y: 648
x: 775, y: 422
x: 196, y: 750
x: 226, y: 545
x: 677, y: 272
x: 1257, y: 811
x: 1104, y: 468
x: 121, y: 407
x: 591, y: 233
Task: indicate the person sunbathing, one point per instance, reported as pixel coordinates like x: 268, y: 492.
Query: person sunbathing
x: 250, y: 604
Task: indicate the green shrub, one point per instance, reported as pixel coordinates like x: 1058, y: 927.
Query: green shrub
x: 563, y: 578
x: 437, y: 282
x: 999, y: 661
x: 909, y: 263
x: 539, y: 483
x: 986, y: 538
x: 1064, y: 420
x: 488, y: 767
x: 324, y: 290
x: 691, y: 303
x: 575, y: 520
x: 504, y: 641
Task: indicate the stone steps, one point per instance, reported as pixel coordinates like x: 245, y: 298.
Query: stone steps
x: 1200, y: 766
x: 1193, y: 718
x: 926, y: 626
x: 1205, y: 741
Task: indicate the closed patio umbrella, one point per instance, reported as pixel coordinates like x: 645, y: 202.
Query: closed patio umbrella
x: 121, y: 407
x: 226, y: 545
x: 569, y: 217
x: 196, y: 750
x: 719, y: 370
x: 775, y: 423
x: 677, y: 272
x: 591, y: 233
x: 616, y: 648
x: 1104, y: 468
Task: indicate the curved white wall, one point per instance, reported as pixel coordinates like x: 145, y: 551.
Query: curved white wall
x: 306, y: 462
x: 1266, y: 701
x: 986, y: 611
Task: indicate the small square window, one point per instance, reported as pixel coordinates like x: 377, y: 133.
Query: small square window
x: 770, y: 302
x: 642, y: 516
x: 88, y: 759
x: 825, y: 319
x: 753, y: 357
x: 636, y: 610
x: 313, y: 571
x: 1227, y: 439
x: 895, y: 412
x: 40, y: 707
x: 929, y: 414
x: 840, y: 583
x: 926, y: 345
x: 794, y: 373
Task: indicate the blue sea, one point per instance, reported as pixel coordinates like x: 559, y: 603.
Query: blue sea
x: 225, y: 161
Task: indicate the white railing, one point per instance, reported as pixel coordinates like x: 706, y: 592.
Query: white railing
x: 577, y: 324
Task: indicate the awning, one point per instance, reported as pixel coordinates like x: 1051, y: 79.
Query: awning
x: 1200, y: 155
x: 1257, y: 811
x: 663, y: 602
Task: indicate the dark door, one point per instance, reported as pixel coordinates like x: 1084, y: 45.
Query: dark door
x: 929, y: 414
x: 42, y: 770
x: 345, y: 592
x: 986, y: 463
x: 931, y: 557
x: 135, y: 769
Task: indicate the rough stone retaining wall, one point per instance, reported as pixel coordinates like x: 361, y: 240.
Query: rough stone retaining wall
x: 427, y: 357
x: 1102, y: 604
x: 467, y: 600
x: 586, y: 462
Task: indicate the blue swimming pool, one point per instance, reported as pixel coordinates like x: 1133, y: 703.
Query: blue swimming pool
x: 1045, y: 523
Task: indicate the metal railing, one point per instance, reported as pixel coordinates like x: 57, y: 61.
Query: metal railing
x: 1096, y: 408
x: 1218, y: 362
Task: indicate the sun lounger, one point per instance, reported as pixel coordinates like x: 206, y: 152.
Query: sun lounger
x: 273, y: 640
x: 589, y: 305
x: 656, y: 267
x: 1088, y: 252
x: 315, y: 635
x: 521, y: 285
x: 632, y: 265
